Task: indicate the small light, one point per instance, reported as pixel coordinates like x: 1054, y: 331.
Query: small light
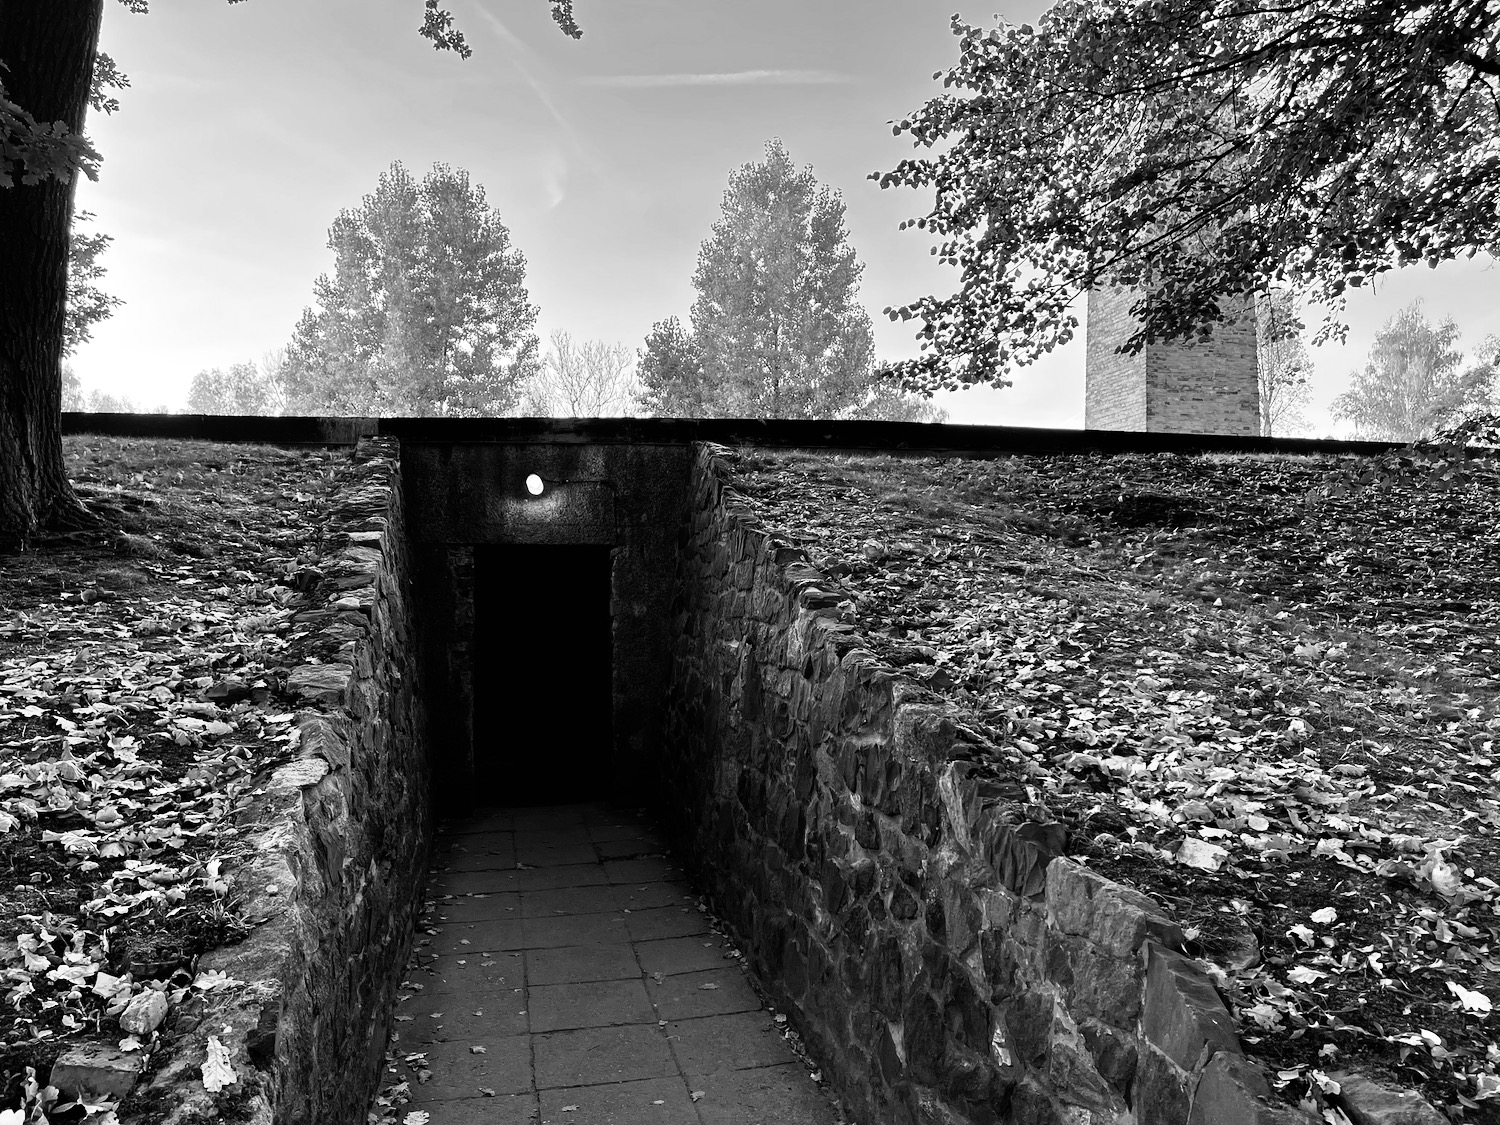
x: 534, y: 484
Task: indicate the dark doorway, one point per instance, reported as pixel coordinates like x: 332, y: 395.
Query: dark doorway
x: 542, y: 683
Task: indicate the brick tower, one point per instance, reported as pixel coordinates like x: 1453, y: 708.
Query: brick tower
x: 1199, y: 388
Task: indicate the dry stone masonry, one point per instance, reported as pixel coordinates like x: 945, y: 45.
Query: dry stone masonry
x: 339, y: 847
x: 911, y: 905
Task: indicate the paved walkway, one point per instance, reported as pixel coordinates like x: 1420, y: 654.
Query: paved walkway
x: 567, y: 977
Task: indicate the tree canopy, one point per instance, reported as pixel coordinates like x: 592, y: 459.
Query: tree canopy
x: 777, y: 327
x: 241, y: 388
x: 1414, y: 382
x: 87, y: 303
x: 1195, y: 150
x: 426, y: 312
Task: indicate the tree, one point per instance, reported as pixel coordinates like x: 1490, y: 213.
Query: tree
x: 1196, y: 150
x: 777, y: 325
x: 87, y: 303
x: 50, y: 72
x: 245, y: 388
x: 592, y: 379
x: 425, y: 313
x: 1412, y: 384
x: 670, y: 371
x: 1282, y: 366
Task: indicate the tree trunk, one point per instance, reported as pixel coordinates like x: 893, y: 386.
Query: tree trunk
x: 48, y: 47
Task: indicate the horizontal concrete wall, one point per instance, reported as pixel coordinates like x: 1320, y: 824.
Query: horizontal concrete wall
x: 336, y: 847
x: 889, y: 883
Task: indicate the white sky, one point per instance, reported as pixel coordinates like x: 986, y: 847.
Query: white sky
x: 247, y: 127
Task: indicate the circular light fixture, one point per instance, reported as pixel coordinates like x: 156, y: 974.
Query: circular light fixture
x: 534, y: 484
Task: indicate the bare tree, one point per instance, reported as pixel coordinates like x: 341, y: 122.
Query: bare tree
x: 1282, y: 365
x: 591, y: 379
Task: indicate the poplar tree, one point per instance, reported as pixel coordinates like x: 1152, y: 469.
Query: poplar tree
x: 425, y: 313
x: 778, y: 329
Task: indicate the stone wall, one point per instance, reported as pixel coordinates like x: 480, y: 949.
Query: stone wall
x: 897, y: 892
x: 337, y: 851
x: 1206, y: 386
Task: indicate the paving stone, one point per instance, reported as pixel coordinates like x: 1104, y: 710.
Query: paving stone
x: 680, y: 955
x: 459, y: 1072
x: 665, y: 922
x: 601, y: 1054
x: 658, y: 870
x: 472, y: 908
x: 713, y: 992
x: 546, y: 878
x: 574, y: 964
x: 486, y: 851
x: 443, y: 1016
x: 493, y: 973
x: 644, y: 896
x: 482, y: 820
x: 767, y: 1094
x: 479, y: 936
x: 554, y: 855
x: 552, y: 837
x: 627, y: 847
x: 492, y: 882
x: 621, y: 829
x: 568, y: 900
x: 652, y: 1101
x: 577, y: 929
x: 600, y: 1003
x: 503, y: 1109
x: 736, y: 1041
x: 544, y: 817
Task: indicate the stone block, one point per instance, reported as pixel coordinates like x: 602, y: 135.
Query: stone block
x: 1182, y: 1014
x: 1095, y: 981
x: 1113, y: 1051
x: 1085, y: 903
x: 1233, y: 1091
x: 92, y: 1071
x: 1162, y: 1090
x: 1368, y: 1102
x: 320, y: 683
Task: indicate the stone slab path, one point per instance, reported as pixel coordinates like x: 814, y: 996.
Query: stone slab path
x: 567, y: 977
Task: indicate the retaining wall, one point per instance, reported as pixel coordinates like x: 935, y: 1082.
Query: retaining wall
x: 338, y: 847
x: 897, y: 892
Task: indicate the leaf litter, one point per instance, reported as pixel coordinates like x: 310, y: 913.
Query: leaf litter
x: 143, y: 703
x: 1262, y: 688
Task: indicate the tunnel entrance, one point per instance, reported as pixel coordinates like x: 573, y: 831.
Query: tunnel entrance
x: 542, y: 674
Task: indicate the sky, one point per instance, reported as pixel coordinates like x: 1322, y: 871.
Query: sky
x: 248, y: 127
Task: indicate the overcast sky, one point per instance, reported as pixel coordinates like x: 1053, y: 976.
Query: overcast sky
x: 248, y: 127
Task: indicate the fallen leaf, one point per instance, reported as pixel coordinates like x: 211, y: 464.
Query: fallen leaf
x: 217, y: 1072
x: 1470, y: 1000
x: 1326, y: 915
x: 697, y: 1095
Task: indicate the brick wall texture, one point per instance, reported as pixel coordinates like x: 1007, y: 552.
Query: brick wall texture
x: 889, y: 883
x: 1208, y: 387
